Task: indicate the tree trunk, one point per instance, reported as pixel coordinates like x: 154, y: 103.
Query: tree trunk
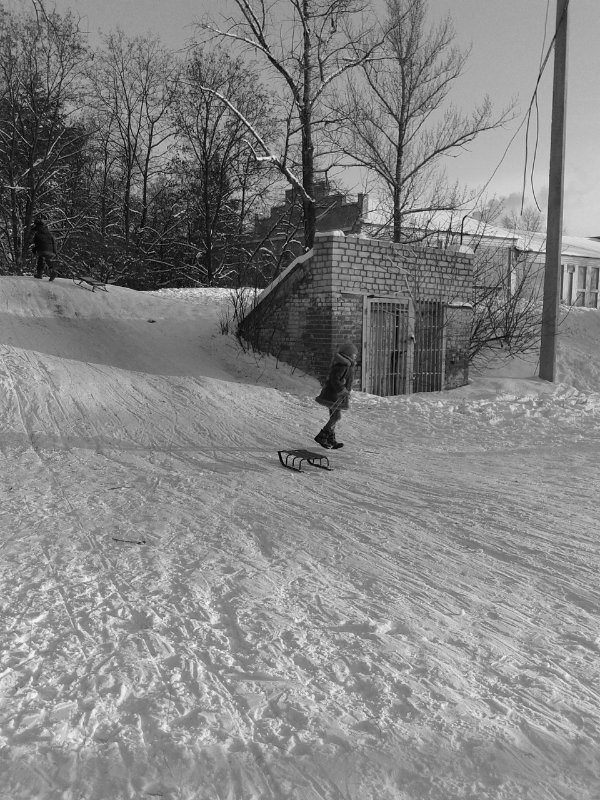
x: 127, y: 208
x: 144, y: 216
x: 308, y: 179
x: 17, y: 245
x: 208, y: 239
x: 308, y: 150
x: 397, y: 219
x: 397, y: 199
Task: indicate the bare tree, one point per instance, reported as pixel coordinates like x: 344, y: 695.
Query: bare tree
x: 507, y: 309
x: 395, y: 122
x: 508, y: 268
x: 530, y: 219
x: 225, y: 185
x: 41, y: 61
x: 305, y: 47
x: 135, y: 81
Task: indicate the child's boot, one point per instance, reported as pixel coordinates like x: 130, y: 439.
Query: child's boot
x: 323, y: 439
x: 333, y: 443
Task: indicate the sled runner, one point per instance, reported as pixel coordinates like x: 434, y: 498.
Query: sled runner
x: 293, y: 459
x: 93, y: 282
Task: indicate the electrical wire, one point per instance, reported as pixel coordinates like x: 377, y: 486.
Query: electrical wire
x: 537, y: 125
x: 532, y: 102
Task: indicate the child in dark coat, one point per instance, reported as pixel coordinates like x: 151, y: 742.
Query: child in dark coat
x: 44, y: 247
x: 335, y: 394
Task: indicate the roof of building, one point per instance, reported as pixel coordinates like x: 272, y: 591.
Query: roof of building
x: 455, y: 225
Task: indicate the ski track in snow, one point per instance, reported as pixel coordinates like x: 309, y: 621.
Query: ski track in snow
x: 182, y: 618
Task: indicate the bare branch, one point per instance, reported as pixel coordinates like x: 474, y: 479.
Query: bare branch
x: 268, y: 155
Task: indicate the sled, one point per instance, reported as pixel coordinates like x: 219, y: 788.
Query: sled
x: 293, y: 459
x: 93, y: 282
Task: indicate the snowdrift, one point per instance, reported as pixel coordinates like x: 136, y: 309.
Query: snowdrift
x: 184, y: 618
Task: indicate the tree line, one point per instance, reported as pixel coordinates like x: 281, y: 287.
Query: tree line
x: 151, y: 167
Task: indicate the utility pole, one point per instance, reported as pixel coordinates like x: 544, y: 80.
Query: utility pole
x: 552, y: 274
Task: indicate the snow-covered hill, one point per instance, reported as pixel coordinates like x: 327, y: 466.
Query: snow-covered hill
x: 182, y: 618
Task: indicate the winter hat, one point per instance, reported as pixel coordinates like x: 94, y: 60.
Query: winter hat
x: 348, y: 349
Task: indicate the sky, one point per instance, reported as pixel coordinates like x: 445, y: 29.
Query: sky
x: 507, y: 39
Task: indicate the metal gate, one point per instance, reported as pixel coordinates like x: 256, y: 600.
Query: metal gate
x: 429, y: 346
x: 388, y: 346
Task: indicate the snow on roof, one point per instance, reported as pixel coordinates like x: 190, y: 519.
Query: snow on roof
x: 456, y: 224
x: 576, y: 246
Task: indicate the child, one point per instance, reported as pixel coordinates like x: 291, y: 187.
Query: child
x: 44, y: 247
x: 335, y: 393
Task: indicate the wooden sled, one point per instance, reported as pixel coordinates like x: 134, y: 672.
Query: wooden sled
x: 293, y: 459
x: 95, y: 283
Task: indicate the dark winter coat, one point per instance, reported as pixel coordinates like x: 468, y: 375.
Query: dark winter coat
x: 338, y: 384
x: 43, y: 241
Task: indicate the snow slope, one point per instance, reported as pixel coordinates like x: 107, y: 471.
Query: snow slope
x: 184, y: 619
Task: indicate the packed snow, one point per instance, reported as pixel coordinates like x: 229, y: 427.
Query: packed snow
x: 183, y: 618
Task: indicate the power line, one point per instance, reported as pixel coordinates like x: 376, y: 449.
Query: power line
x: 527, y: 116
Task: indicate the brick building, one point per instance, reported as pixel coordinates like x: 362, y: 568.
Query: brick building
x: 334, y: 210
x: 408, y: 308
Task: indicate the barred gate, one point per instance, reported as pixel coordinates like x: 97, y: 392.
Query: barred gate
x: 388, y: 346
x: 403, y: 348
x: 429, y: 346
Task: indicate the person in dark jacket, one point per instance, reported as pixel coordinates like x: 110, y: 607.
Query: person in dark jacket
x: 335, y: 393
x: 44, y: 247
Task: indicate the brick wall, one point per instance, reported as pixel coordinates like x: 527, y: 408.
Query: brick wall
x: 294, y: 321
x: 318, y: 302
